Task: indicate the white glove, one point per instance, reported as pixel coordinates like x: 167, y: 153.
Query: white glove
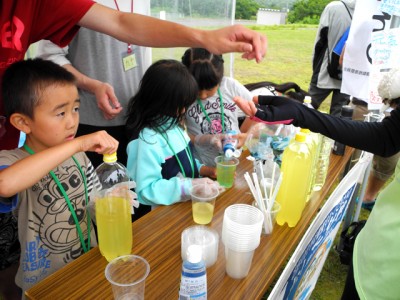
x: 125, y: 190
x: 188, y: 183
x: 208, y: 184
x: 119, y: 190
x: 209, y: 141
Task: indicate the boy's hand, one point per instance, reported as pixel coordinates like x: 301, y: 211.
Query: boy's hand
x: 100, y: 142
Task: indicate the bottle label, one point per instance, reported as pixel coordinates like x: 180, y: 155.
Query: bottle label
x: 193, y: 288
x: 229, y: 144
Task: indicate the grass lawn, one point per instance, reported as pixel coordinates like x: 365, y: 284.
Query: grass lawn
x: 289, y: 59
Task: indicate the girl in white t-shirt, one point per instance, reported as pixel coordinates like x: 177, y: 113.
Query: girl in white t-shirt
x: 213, y: 113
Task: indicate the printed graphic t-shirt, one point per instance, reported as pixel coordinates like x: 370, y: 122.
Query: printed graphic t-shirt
x: 197, y: 122
x: 47, y: 233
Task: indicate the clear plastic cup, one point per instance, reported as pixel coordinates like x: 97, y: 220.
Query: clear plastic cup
x: 203, y: 236
x: 241, y: 227
x: 238, y: 263
x: 226, y: 168
x: 203, y: 202
x: 127, y: 275
x: 269, y: 217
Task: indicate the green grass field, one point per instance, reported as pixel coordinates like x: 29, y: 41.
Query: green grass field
x: 288, y: 57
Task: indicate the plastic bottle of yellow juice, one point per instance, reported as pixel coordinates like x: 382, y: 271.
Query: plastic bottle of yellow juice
x: 296, y: 168
x: 313, y: 141
x: 113, y: 209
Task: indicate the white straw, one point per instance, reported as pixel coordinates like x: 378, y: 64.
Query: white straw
x: 251, y: 186
x: 258, y: 190
x: 278, y: 184
x: 264, y: 183
x: 272, y: 183
x: 267, y: 219
x: 278, y: 131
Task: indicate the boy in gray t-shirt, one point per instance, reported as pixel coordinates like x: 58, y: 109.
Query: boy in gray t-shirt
x: 46, y: 182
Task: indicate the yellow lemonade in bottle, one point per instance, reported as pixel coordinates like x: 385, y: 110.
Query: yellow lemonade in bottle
x: 114, y: 226
x: 293, y: 192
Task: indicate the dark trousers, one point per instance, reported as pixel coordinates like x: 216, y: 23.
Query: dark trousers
x: 350, y: 291
x: 117, y: 132
x: 318, y: 95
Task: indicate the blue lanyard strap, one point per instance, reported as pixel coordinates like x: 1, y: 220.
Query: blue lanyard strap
x: 221, y: 104
x: 71, y: 209
x: 187, y: 150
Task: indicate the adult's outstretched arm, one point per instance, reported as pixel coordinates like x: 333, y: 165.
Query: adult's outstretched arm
x: 381, y: 138
x: 152, y: 32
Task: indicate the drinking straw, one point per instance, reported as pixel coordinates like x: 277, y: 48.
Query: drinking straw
x: 278, y: 184
x: 258, y: 190
x: 252, y: 188
x: 278, y: 131
x: 267, y: 219
x: 272, y: 183
x: 264, y: 185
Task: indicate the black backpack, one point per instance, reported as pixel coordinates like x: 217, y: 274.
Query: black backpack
x: 347, y: 239
x: 334, y: 67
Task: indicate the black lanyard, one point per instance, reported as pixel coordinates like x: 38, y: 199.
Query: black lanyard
x: 71, y: 209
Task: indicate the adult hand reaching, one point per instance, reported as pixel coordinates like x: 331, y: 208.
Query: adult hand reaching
x: 153, y: 32
x: 236, y: 38
x: 270, y: 109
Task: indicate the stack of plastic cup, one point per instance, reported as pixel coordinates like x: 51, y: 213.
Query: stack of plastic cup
x: 241, y: 231
x: 203, y: 236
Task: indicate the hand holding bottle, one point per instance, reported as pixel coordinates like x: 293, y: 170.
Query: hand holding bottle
x: 100, y: 142
x: 209, y: 141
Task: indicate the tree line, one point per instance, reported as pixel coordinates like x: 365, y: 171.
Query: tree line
x: 300, y: 11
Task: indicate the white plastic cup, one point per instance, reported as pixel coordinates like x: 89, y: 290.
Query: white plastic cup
x: 203, y: 236
x: 238, y: 263
x: 241, y: 231
x: 241, y: 227
x: 127, y: 275
x: 269, y: 217
x: 203, y: 203
x: 226, y: 169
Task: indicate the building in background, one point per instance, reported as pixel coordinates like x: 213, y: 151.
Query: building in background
x: 266, y: 16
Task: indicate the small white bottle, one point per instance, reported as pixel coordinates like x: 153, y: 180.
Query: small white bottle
x: 229, y: 144
x: 194, y: 276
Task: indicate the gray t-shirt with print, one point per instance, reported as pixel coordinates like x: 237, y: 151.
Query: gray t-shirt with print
x: 48, y: 238
x: 198, y: 123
